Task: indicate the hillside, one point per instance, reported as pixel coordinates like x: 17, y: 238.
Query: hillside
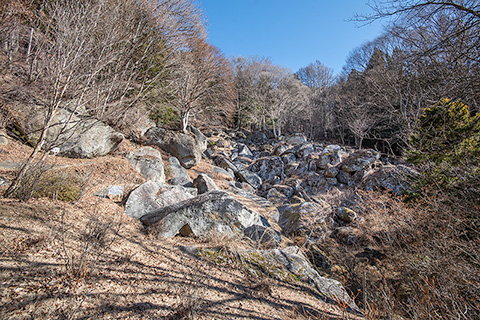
x: 87, y: 259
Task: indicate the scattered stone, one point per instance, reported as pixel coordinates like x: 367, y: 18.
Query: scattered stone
x: 268, y: 168
x: 249, y: 177
x: 148, y: 162
x: 3, y: 138
x: 331, y: 171
x: 202, y: 140
x: 266, y: 236
x: 397, y: 179
x: 219, y: 170
x: 3, y: 181
x: 281, y: 149
x: 276, y: 197
x: 225, y: 164
x: 305, y: 218
x: 180, y: 175
x: 360, y: 160
x: 291, y: 260
x: 346, y: 215
x: 370, y: 254
x: 204, y: 184
x: 244, y: 151
x: 296, y: 139
x: 319, y: 259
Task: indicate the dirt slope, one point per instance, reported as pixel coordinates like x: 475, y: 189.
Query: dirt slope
x: 87, y: 260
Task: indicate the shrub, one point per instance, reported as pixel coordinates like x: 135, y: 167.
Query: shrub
x: 446, y: 147
x: 58, y: 185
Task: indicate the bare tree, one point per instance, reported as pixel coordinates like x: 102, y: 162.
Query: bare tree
x: 319, y: 78
x: 99, y: 57
x: 202, y: 79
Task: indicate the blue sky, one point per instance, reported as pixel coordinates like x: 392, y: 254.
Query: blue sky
x: 293, y: 33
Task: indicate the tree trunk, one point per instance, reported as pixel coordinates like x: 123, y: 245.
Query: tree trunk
x: 38, y: 147
x: 184, y: 115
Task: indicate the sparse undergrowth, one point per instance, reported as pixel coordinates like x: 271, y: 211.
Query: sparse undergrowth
x: 414, y: 260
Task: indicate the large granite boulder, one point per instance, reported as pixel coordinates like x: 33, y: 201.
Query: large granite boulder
x: 396, y: 178
x: 148, y: 162
x: 78, y: 137
x: 305, y: 218
x: 268, y: 168
x: 185, y: 147
x: 152, y: 196
x: 215, y: 211
x: 360, y: 160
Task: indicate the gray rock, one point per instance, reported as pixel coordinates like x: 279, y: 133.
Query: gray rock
x: 332, y: 182
x: 332, y: 155
x: 268, y: 168
x: 204, y: 184
x: 258, y: 137
x: 397, y: 179
x: 185, y: 147
x: 296, y: 139
x: 345, y: 214
x: 202, y: 140
x: 276, y: 197
x: 319, y: 259
x: 249, y: 177
x: 112, y: 192
x: 3, y: 138
x: 3, y: 181
x: 225, y: 164
x: 82, y: 138
x: 180, y: 175
x: 148, y: 162
x: 287, y: 191
x: 219, y: 170
x: 307, y: 217
x: 331, y: 171
x: 244, y: 151
x: 290, y: 263
x: 266, y: 236
x: 281, y: 149
x: 289, y: 158
x: 214, y: 211
x: 209, y: 153
x: 360, y: 160
x: 152, y: 196
x: 344, y: 178
x: 304, y: 151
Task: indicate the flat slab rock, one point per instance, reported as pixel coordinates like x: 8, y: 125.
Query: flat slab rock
x: 215, y: 211
x: 152, y: 196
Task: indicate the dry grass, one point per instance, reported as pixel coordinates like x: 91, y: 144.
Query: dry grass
x: 417, y: 260
x: 87, y: 260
